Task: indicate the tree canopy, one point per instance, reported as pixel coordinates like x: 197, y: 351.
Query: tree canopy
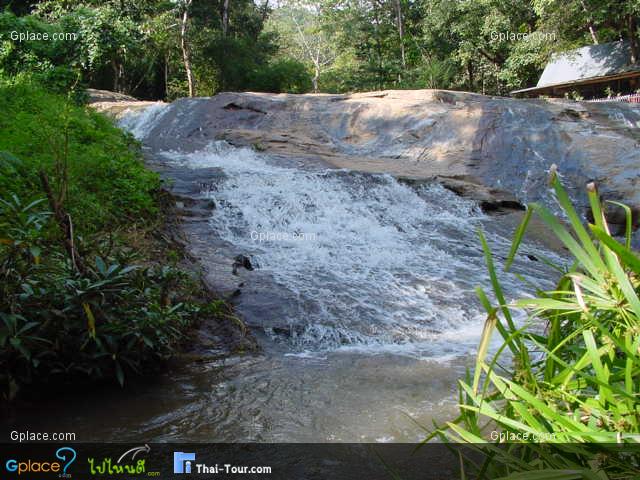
x: 170, y: 48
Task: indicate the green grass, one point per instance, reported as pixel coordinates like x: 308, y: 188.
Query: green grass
x: 86, y: 292
x: 577, y: 398
x: 108, y: 184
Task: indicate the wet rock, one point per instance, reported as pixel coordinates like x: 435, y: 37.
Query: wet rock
x: 617, y: 217
x: 491, y: 200
x: 108, y: 96
x: 241, y: 261
x: 497, y: 206
x: 235, y: 106
x: 635, y: 240
x: 497, y: 146
x: 445, y: 97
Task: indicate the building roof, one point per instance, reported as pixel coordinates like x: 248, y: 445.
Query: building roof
x: 586, y: 64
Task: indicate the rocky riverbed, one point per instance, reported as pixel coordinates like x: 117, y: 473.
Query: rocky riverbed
x: 343, y: 230
x: 493, y: 149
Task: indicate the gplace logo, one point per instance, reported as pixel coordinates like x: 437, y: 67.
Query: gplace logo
x: 66, y: 455
x: 182, y: 462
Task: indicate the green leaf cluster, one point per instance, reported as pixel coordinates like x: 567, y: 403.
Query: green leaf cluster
x: 108, y: 185
x: 121, y: 313
x: 572, y: 392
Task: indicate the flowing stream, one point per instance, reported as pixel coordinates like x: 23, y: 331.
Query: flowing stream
x: 361, y: 296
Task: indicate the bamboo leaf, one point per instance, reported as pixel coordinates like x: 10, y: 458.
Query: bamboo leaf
x: 576, y: 224
x: 625, y: 253
x: 91, y: 321
x: 485, y: 340
x: 593, y: 266
x: 517, y: 238
x: 548, y: 475
x: 628, y: 222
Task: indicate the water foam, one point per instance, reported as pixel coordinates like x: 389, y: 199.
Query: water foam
x: 139, y: 122
x: 370, y: 263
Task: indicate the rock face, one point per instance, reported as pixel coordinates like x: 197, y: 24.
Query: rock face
x: 114, y: 103
x: 483, y: 147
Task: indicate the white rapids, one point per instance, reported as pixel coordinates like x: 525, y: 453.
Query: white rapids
x: 367, y: 262
x: 361, y: 297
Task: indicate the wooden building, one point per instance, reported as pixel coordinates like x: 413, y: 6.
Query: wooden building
x: 589, y: 71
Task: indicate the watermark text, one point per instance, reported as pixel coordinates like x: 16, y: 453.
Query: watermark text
x: 509, y: 36
x: 28, y: 36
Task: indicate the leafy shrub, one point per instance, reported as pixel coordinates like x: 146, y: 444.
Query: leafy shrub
x: 48, y: 61
x: 107, y: 182
x: 99, y: 309
x: 576, y: 386
x: 58, y: 323
x: 283, y: 76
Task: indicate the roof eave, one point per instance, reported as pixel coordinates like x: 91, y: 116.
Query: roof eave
x: 582, y: 81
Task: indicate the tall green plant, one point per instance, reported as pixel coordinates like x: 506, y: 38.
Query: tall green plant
x: 570, y: 408
x: 58, y: 324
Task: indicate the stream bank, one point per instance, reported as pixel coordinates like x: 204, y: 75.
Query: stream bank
x: 360, y: 295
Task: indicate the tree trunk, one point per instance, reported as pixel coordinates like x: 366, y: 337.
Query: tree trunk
x: 118, y: 74
x: 633, y: 39
x: 315, y: 78
x: 225, y: 18
x: 63, y: 219
x: 401, y: 33
x: 470, y: 73
x: 265, y: 10
x: 114, y: 67
x: 185, y: 49
x: 592, y: 30
x: 378, y: 47
x: 593, y: 34
x: 166, y: 76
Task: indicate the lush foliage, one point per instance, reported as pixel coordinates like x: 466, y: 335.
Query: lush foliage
x: 80, y: 295
x: 376, y: 44
x: 171, y: 48
x: 99, y: 168
x: 47, y: 61
x: 59, y: 324
x: 573, y: 390
x: 139, y: 47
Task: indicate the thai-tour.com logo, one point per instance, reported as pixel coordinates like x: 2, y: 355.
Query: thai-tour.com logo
x: 58, y: 464
x: 184, y: 462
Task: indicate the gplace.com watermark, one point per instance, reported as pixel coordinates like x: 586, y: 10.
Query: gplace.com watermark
x: 509, y: 36
x: 283, y: 236
x: 507, y: 436
x: 31, y: 436
x: 28, y: 36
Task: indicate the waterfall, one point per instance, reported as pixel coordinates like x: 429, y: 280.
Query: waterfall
x: 358, y: 261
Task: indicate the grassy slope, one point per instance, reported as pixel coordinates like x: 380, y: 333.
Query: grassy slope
x: 108, y: 184
x: 129, y: 305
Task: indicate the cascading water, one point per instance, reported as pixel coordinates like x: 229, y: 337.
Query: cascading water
x: 359, y: 260
x: 361, y: 297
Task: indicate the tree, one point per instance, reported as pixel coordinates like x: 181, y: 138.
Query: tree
x: 225, y: 17
x: 368, y: 30
x: 298, y: 25
x: 106, y: 38
x: 184, y: 6
x: 597, y: 21
x: 172, y: 48
x: 400, y: 32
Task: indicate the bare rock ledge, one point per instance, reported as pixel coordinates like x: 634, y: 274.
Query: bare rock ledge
x: 497, y: 150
